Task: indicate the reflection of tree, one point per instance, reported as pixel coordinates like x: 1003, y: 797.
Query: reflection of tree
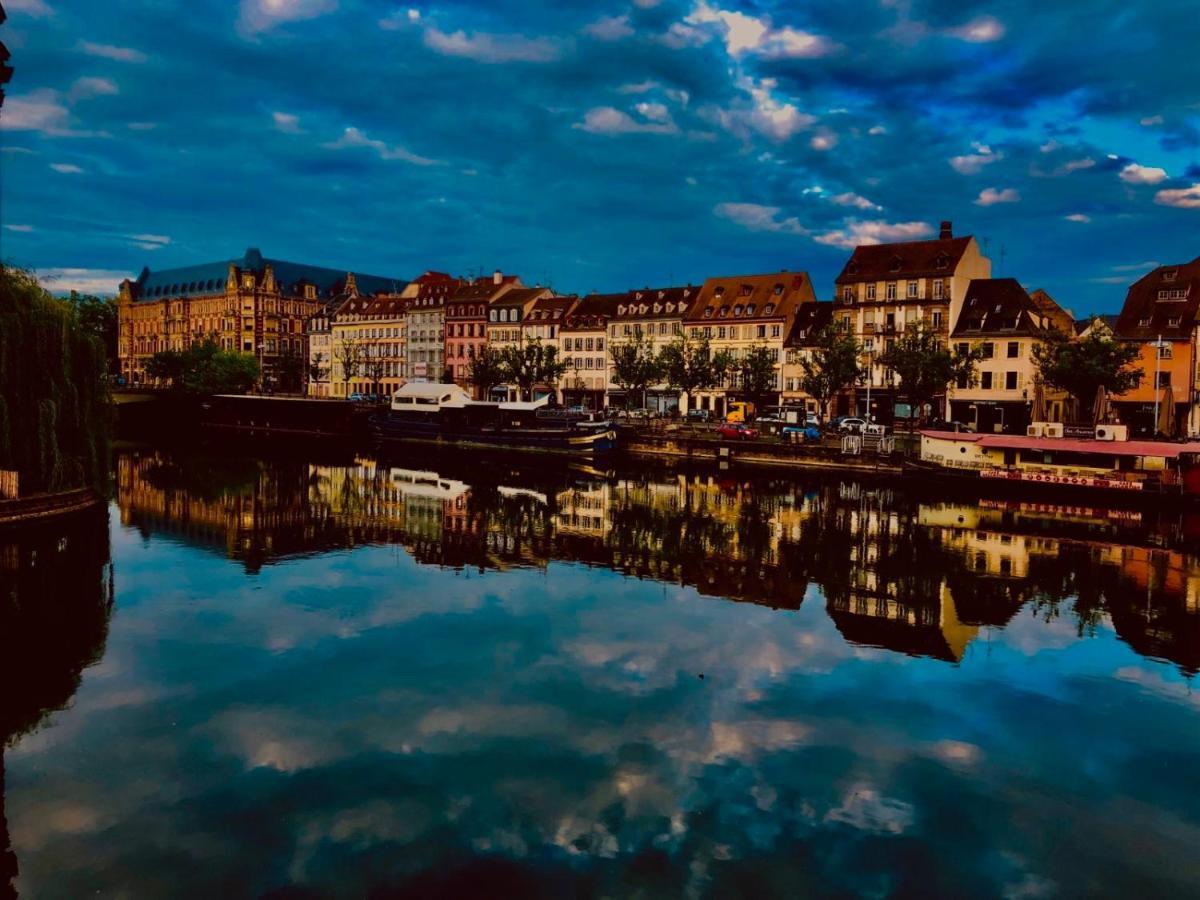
x: 55, y: 603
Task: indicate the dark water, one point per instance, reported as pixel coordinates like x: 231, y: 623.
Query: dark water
x: 328, y: 676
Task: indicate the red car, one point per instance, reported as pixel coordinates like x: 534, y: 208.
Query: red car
x: 737, y: 431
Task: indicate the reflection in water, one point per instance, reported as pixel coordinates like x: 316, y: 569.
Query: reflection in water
x: 55, y: 602
x: 899, y: 572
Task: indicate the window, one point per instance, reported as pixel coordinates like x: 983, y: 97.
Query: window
x: 848, y: 293
x: 912, y: 289
x: 721, y: 332
x: 749, y: 309
x: 1164, y: 350
x: 1174, y: 321
x: 1164, y: 379
x: 937, y: 318
x: 961, y: 382
x: 937, y: 290
x: 776, y: 331
x: 1143, y: 323
x: 1010, y: 381
x: 1170, y: 274
x: 762, y: 331
x: 989, y: 350
x: 891, y: 290
x: 1014, y: 349
x: 985, y: 380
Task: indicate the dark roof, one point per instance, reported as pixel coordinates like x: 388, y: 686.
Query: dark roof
x: 892, y: 634
x: 656, y: 303
x: 551, y: 308
x: 811, y: 318
x: 999, y: 307
x: 519, y: 296
x: 1057, y: 317
x: 593, y: 311
x: 1167, y: 294
x: 389, y: 305
x: 738, y: 298
x: 210, y: 277
x: 908, y: 259
x: 1082, y: 325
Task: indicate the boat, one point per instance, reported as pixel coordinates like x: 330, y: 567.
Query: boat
x: 445, y: 413
x: 1105, y: 462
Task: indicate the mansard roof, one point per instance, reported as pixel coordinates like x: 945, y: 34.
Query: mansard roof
x: 907, y: 259
x: 1165, y: 301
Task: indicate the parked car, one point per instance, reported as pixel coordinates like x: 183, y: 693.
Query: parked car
x: 809, y: 432
x: 356, y: 397
x: 699, y: 415
x: 850, y: 424
x: 737, y: 431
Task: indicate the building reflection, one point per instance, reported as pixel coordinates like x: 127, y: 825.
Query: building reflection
x: 56, y: 599
x: 895, y: 571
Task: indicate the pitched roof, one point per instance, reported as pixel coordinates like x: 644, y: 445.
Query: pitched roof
x: 1057, y: 317
x: 519, y: 296
x: 389, y: 306
x: 655, y: 303
x: 737, y: 298
x: 1169, y: 294
x: 551, y: 308
x: 592, y: 311
x: 1000, y: 307
x: 810, y: 319
x: 907, y: 259
x: 210, y: 277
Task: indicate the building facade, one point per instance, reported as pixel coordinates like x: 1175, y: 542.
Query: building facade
x: 811, y: 319
x: 656, y: 315
x: 583, y: 339
x: 739, y: 313
x: 319, y: 329
x: 250, y: 305
x: 999, y: 318
x: 467, y: 322
x: 885, y: 287
x: 505, y: 328
x: 426, y: 323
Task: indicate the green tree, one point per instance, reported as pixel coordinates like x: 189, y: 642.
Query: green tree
x: 54, y: 409
x: 531, y: 364
x: 98, y: 316
x: 635, y: 366
x: 290, y: 370
x: 926, y: 366
x: 1082, y: 367
x: 831, y: 366
x: 688, y: 365
x: 754, y: 374
x: 486, y: 370
x: 204, y: 368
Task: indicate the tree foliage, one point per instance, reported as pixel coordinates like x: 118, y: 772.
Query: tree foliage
x: 832, y: 366
x: 54, y: 412
x: 926, y: 366
x: 349, y: 358
x: 635, y: 366
x: 486, y: 370
x: 530, y: 364
x: 290, y: 370
x: 754, y: 374
x: 204, y: 368
x: 98, y: 317
x: 1082, y: 367
x: 689, y: 365
x: 318, y: 370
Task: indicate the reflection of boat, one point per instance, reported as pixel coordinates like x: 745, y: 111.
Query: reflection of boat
x: 1104, y: 464
x: 427, y: 484
x: 446, y: 413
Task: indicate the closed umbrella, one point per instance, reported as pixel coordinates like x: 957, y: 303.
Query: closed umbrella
x: 1100, y: 407
x: 1038, y: 412
x: 1166, y: 413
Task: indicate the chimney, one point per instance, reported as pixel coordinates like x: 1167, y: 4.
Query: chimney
x: 497, y: 277
x: 947, y: 231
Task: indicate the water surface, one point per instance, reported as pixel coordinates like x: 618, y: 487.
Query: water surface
x: 311, y: 674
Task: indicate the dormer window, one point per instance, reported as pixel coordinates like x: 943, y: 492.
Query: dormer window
x: 851, y: 269
x: 708, y: 312
x: 1170, y: 274
x: 777, y: 290
x: 737, y: 310
x: 1174, y: 321
x: 621, y: 309
x: 749, y: 309
x: 719, y: 292
x: 724, y: 311
x: 768, y: 309
x: 942, y: 261
x: 310, y: 292
x: 745, y: 290
x: 1144, y: 323
x: 897, y: 262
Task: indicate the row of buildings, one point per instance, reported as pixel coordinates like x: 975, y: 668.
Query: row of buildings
x: 361, y: 334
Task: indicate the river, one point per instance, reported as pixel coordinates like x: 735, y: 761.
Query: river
x: 309, y: 673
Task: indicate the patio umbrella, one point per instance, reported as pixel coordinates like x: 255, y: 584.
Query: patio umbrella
x: 1100, y: 407
x: 1166, y: 412
x: 1038, y: 412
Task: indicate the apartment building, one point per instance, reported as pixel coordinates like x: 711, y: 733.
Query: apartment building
x: 885, y: 287
x: 506, y: 318
x: 1006, y: 323
x: 427, y: 296
x: 319, y: 328
x: 466, y: 321
x: 740, y: 312
x: 1162, y: 315
x: 657, y: 314
x: 367, y: 338
x: 811, y: 319
x: 582, y: 339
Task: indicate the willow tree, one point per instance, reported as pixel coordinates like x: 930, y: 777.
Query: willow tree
x: 54, y: 411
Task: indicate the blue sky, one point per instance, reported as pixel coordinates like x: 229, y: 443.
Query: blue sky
x: 601, y: 146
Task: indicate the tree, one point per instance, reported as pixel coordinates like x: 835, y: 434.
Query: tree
x: 317, y: 370
x: 290, y: 370
x: 486, y: 370
x: 534, y: 363
x: 832, y: 365
x: 98, y: 316
x: 204, y: 368
x: 374, y: 368
x: 754, y: 374
x: 349, y: 356
x: 926, y: 366
x: 635, y: 366
x: 688, y: 365
x: 1082, y: 367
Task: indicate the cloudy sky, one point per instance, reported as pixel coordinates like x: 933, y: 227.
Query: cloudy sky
x: 600, y: 146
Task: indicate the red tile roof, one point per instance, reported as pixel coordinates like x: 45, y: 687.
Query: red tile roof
x: 908, y: 259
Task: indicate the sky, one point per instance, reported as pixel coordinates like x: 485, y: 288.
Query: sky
x: 600, y: 146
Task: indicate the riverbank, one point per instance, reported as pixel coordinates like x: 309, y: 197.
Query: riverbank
x: 38, y: 507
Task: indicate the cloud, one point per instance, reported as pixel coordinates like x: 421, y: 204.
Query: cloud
x: 763, y: 113
x: 823, y: 140
x: 37, y: 9
x: 746, y: 34
x: 973, y: 163
x: 141, y: 126
x: 855, y: 200
x: 109, y: 51
x: 352, y: 138
x: 40, y: 110
x: 258, y: 16
x: 874, y: 232
x: 755, y: 217
x: 877, y: 130
x: 979, y: 31
x: 24, y: 229
x: 611, y: 121
x: 288, y: 123
x: 1151, y: 121
x: 66, y: 168
x: 1180, y: 198
x: 87, y: 88
x: 86, y: 281
x: 1078, y: 217
x: 991, y: 196
x: 610, y: 28
x: 492, y: 48
x: 149, y: 241
x: 1138, y: 174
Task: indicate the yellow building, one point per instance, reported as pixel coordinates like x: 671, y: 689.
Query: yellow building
x: 368, y: 341
x: 505, y: 326
x: 655, y: 314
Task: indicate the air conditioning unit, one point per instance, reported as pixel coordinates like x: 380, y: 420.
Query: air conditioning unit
x: 1112, y: 432
x: 1053, y: 430
x: 1035, y: 429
